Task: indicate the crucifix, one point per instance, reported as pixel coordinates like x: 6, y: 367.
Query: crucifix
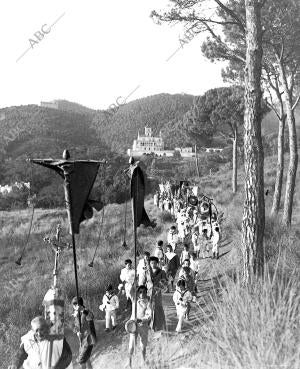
x: 54, y: 301
x: 57, y: 246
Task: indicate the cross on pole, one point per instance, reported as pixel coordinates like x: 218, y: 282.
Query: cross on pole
x: 57, y: 247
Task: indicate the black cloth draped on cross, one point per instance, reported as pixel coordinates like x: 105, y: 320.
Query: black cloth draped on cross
x: 79, y: 177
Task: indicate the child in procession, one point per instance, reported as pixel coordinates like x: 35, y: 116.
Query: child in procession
x: 143, y: 317
x: 204, y: 242
x: 127, y: 278
x: 190, y: 286
x: 159, y: 253
x: 87, y: 334
x: 172, y: 237
x: 195, y: 241
x: 172, y: 265
x: 215, y: 239
x: 182, y: 299
x: 184, y: 253
x: 186, y: 264
x: 110, y: 303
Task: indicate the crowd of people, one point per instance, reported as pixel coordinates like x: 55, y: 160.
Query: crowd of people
x: 193, y: 213
x: 174, y: 269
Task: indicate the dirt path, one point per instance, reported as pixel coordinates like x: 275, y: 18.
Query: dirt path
x: 166, y: 349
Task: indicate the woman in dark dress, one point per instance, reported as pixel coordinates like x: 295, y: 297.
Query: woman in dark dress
x: 172, y: 265
x: 159, y: 282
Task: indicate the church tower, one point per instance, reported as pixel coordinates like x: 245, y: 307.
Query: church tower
x: 148, y: 132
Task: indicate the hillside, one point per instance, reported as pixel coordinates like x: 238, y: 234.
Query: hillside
x: 34, y: 131
x: 119, y: 126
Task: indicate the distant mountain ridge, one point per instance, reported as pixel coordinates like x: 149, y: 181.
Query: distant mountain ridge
x: 31, y: 127
x: 66, y: 105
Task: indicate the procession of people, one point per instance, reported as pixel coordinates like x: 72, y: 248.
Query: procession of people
x: 173, y: 266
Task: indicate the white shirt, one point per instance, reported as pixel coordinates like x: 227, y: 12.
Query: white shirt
x: 195, y: 238
x: 142, y: 267
x: 38, y: 352
x: 127, y: 275
x: 109, y: 302
x: 192, y: 274
x: 215, y: 238
x: 181, y: 299
x: 158, y: 252
x: 144, y: 311
x: 172, y: 238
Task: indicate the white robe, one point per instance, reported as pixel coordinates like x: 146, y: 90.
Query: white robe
x: 38, y: 352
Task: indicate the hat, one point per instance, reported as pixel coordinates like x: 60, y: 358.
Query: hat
x: 130, y: 326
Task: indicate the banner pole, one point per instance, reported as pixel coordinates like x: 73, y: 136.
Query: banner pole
x: 134, y: 208
x: 67, y: 174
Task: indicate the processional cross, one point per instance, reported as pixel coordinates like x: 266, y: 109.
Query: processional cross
x: 57, y: 247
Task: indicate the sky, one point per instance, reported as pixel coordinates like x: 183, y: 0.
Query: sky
x: 96, y: 52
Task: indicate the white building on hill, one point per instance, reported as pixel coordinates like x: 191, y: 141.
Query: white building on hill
x: 213, y: 149
x: 149, y: 144
x: 50, y: 104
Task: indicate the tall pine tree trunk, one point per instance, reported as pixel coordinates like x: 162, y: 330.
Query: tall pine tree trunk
x: 280, y: 166
x: 254, y: 206
x: 234, y: 162
x: 293, y: 163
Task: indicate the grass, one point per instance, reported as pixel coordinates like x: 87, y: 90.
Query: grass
x: 24, y: 287
x: 255, y: 326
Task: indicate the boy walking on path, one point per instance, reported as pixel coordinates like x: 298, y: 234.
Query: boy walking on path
x: 172, y: 238
x: 110, y: 303
x: 87, y: 336
x: 182, y: 299
x: 215, y: 239
x: 195, y: 241
x: 184, y: 253
x: 204, y: 243
x: 127, y: 278
x: 144, y: 313
x: 159, y: 253
x: 143, y: 269
x: 190, y: 286
x: 186, y: 263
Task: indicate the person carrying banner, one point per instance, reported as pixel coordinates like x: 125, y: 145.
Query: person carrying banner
x: 143, y: 317
x: 159, y: 282
x: 87, y: 336
x: 36, y: 345
x: 110, y: 303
